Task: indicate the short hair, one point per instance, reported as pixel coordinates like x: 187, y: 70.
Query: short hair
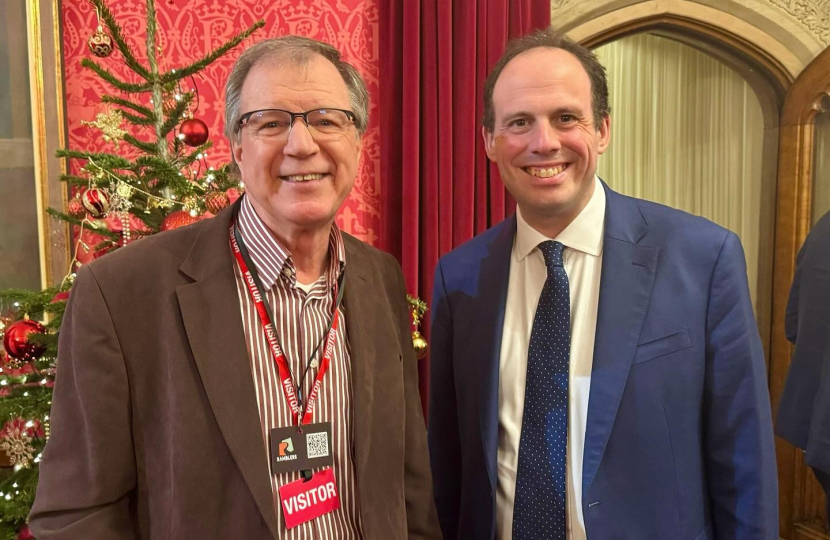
x: 300, y: 51
x: 552, y: 39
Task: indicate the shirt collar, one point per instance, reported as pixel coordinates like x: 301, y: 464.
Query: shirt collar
x: 272, y: 259
x: 584, y: 233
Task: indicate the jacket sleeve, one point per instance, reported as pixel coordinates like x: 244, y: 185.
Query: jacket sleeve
x: 791, y: 315
x: 87, y: 473
x: 444, y: 439
x: 422, y: 522
x: 739, y: 448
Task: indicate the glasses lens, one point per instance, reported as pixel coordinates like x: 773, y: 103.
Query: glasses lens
x: 269, y: 124
x: 328, y: 121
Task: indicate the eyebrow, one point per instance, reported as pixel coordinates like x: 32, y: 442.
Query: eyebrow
x: 555, y: 112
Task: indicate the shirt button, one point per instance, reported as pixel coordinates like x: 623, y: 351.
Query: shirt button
x: 287, y: 272
x: 314, y: 364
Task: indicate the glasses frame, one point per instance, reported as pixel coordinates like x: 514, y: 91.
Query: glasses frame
x: 242, y: 122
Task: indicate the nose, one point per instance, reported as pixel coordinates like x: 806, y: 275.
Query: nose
x: 545, y: 139
x: 300, y: 142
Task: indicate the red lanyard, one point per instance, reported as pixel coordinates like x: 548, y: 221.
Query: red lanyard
x: 287, y: 383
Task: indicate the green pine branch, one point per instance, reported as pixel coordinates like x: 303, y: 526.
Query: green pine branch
x: 174, y: 114
x: 126, y: 103
x: 103, y: 231
x: 181, y: 73
x: 190, y: 158
x: 120, y: 42
x: 138, y: 120
x: 144, y: 146
x: 28, y: 302
x: 107, y: 160
x: 8, y: 529
x: 35, y: 404
x: 74, y: 179
x: 152, y: 219
x: 105, y: 74
x: 15, y: 510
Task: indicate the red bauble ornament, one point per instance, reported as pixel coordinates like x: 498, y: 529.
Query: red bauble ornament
x: 96, y: 202
x: 16, y: 340
x: 100, y: 44
x: 24, y: 533
x: 75, y: 208
x: 177, y: 219
x: 216, y: 201
x: 194, y: 132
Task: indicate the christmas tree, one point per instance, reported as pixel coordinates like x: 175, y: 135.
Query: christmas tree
x: 156, y: 178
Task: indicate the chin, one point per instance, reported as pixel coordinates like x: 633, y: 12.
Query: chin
x: 310, y: 219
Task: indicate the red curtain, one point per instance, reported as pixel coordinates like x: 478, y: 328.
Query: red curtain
x: 438, y: 188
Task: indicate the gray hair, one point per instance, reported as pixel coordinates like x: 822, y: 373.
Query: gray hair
x: 551, y: 39
x: 300, y: 51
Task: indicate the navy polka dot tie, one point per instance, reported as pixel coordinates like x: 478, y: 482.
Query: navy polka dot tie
x: 540, y: 503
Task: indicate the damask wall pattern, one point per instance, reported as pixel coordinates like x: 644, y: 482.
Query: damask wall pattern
x: 188, y: 29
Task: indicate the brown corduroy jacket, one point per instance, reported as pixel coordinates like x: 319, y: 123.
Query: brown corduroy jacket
x: 155, y: 432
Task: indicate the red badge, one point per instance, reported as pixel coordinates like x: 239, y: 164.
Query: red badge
x: 303, y: 501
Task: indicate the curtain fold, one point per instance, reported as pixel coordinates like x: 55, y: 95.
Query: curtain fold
x: 688, y: 131
x: 438, y: 188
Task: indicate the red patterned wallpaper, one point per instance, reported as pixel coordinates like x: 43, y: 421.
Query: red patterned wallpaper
x: 190, y: 28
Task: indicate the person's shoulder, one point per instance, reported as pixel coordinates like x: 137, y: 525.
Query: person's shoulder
x: 816, y: 248
x: 366, y: 252
x: 149, y: 256
x: 371, y: 259
x: 821, y: 230
x: 670, y: 225
x: 477, y: 248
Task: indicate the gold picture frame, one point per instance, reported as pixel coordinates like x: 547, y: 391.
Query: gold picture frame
x: 43, y: 20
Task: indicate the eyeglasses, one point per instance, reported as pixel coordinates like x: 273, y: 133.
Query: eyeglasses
x: 277, y: 123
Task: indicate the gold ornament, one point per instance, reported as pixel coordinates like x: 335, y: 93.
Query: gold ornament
x: 420, y: 344
x: 418, y: 307
x: 17, y: 443
x: 191, y: 204
x: 110, y: 125
x: 124, y: 190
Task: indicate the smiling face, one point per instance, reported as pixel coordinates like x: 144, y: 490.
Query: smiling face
x: 544, y: 139
x: 296, y: 181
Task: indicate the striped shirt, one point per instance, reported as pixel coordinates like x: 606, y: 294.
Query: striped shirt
x: 301, y: 317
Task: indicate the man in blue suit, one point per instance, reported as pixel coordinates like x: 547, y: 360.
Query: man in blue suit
x: 804, y: 410
x: 596, y: 367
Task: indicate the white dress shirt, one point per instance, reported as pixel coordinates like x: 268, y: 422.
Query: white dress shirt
x: 583, y: 263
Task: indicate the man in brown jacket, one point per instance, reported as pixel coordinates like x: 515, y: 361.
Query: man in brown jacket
x: 250, y: 376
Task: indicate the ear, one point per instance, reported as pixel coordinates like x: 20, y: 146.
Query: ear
x: 236, y: 152
x: 489, y: 143
x: 604, y: 135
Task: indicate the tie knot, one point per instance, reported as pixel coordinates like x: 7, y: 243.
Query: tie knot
x: 552, y: 251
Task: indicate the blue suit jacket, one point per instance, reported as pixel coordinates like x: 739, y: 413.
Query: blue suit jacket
x: 679, y: 442
x: 804, y: 410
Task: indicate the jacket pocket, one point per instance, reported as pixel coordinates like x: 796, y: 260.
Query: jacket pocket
x: 663, y: 346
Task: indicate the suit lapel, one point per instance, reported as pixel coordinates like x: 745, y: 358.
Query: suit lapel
x: 486, y: 352
x: 628, y: 273
x: 210, y: 310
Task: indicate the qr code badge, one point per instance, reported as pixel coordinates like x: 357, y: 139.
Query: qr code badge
x: 317, y: 444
